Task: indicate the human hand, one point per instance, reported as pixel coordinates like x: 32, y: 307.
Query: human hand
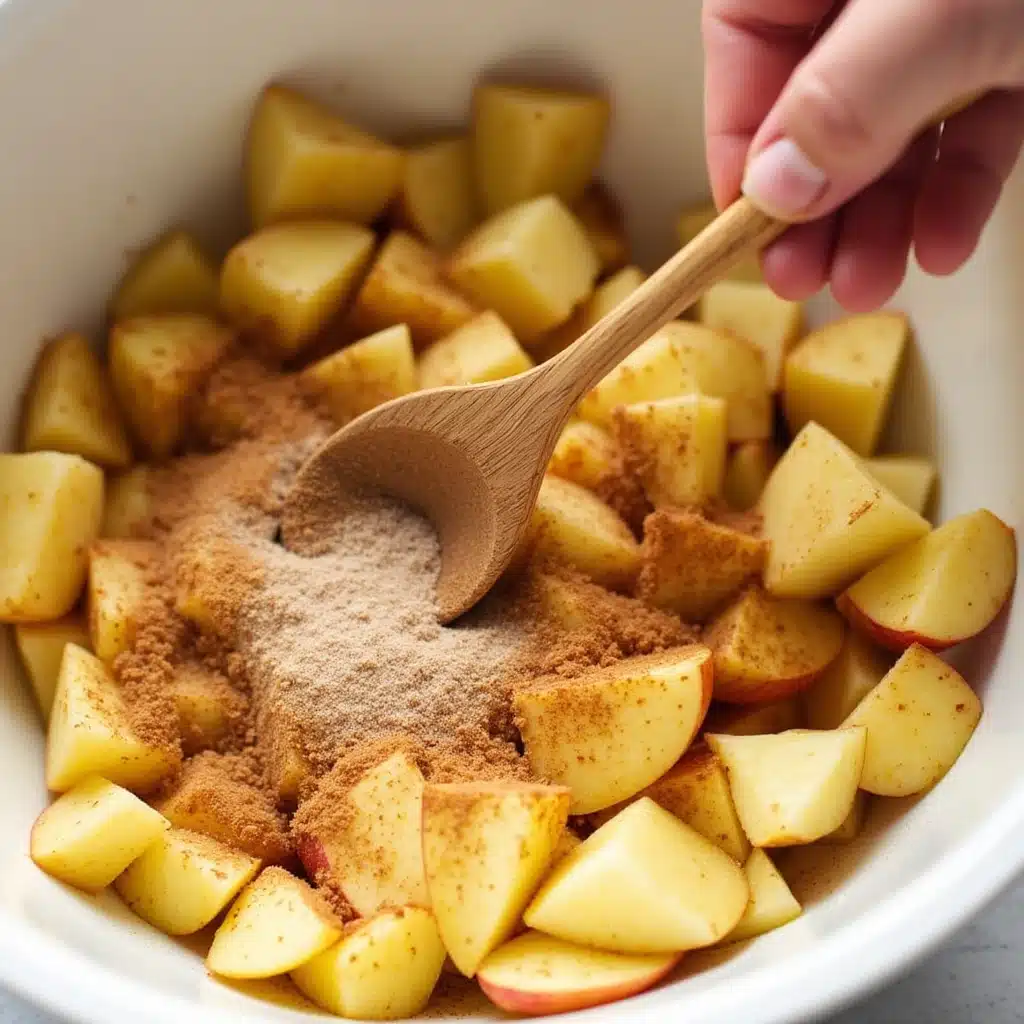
x: 824, y: 127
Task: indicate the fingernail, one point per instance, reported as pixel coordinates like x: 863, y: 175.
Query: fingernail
x: 782, y: 181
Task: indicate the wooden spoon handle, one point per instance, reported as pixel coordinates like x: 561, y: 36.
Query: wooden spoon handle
x: 738, y: 231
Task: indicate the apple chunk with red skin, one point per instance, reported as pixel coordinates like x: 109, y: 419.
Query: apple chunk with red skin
x: 536, y: 974
x: 768, y: 648
x: 613, y: 731
x: 940, y: 590
x: 368, y: 842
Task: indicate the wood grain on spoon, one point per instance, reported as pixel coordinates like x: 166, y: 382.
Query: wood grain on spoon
x: 472, y: 458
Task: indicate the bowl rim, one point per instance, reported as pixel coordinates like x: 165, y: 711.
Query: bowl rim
x: 837, y: 970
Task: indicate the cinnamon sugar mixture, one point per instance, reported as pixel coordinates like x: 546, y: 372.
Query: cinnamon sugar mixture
x: 334, y: 658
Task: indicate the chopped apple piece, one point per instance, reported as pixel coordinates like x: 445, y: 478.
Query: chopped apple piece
x: 90, y: 733
x: 304, y: 161
x: 767, y: 648
x: 842, y: 377
x: 746, y: 472
x: 384, y: 968
x: 535, y: 974
x: 793, y: 787
x: 655, y: 370
x: 852, y: 823
x: 284, y: 283
x: 128, y: 504
x: 368, y: 843
x: 50, y: 510
x: 941, y: 590
x: 567, y: 842
x: 642, y: 883
x: 206, y: 705
x: 277, y: 924
x: 573, y: 527
x: 613, y: 731
x: 41, y: 646
x: 532, y: 264
x: 88, y: 836
x: 857, y: 670
x: 206, y: 797
x: 530, y: 142
x: 438, y: 196
x: 486, y: 847
x: 755, y: 719
x: 586, y: 455
x: 918, y: 720
x: 288, y: 765
x: 480, y: 351
x: 676, y: 446
x: 605, y: 297
x: 116, y: 594
x: 827, y: 520
x: 755, y: 313
x: 909, y: 477
x: 694, y: 220
x: 684, y: 358
x: 173, y: 275
x: 771, y: 903
x: 696, y: 791
x: 184, y: 880
x: 601, y: 216
x: 692, y: 565
x: 365, y: 374
x: 406, y: 285
x: 156, y: 364
x: 70, y: 406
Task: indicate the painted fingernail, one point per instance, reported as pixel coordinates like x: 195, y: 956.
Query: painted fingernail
x: 782, y: 180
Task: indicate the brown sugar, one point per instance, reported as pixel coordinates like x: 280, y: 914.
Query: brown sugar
x: 224, y: 796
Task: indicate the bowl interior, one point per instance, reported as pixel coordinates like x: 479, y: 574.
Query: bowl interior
x: 122, y: 118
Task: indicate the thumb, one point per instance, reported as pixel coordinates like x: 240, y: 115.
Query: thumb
x: 880, y: 73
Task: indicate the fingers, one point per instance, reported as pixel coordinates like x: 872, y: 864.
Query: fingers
x: 879, y: 73
x: 979, y: 149
x: 877, y: 229
x: 799, y: 263
x: 751, y: 48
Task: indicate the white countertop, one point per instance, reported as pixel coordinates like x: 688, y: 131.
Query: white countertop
x: 975, y: 977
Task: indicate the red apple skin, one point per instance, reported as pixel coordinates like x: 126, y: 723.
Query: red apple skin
x: 313, y: 855
x: 899, y: 640
x: 732, y: 689
x: 538, y: 1004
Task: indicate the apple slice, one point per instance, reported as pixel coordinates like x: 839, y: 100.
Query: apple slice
x: 941, y: 590
x: 184, y: 880
x: 116, y: 593
x: 92, y: 833
x: 918, y: 720
x: 611, y: 732
x: 755, y: 719
x: 486, y: 847
x: 844, y: 684
x: 771, y: 903
x: 277, y: 923
x: 697, y: 792
x: 767, y: 648
x: 384, y: 968
x: 793, y: 787
x: 90, y: 732
x: 535, y: 974
x: 827, y: 519
x: 910, y: 477
x: 41, y: 647
x: 368, y: 842
x: 747, y: 471
x: 642, y: 883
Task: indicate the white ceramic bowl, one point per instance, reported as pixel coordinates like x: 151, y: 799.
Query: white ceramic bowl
x: 119, y: 117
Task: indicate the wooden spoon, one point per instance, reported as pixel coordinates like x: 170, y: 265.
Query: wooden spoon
x: 472, y: 458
